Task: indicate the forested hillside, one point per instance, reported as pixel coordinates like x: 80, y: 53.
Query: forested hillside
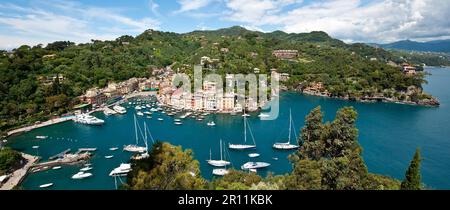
x: 31, y: 88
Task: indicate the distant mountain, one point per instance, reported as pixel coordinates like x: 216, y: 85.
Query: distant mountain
x: 432, y: 46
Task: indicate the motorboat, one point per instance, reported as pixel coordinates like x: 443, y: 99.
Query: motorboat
x: 56, y: 167
x: 212, y: 123
x: 140, y: 113
x: 220, y: 172
x: 109, y: 156
x: 178, y: 123
x: 88, y: 120
x: 138, y: 107
x: 253, y: 155
x: 41, y: 137
x: 160, y: 119
x: 119, y: 109
x: 86, y: 169
x: 81, y: 175
x: 113, y: 148
x: 254, y: 165
x: 122, y: 170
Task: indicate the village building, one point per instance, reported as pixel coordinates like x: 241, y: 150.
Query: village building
x: 408, y: 69
x: 228, y: 102
x: 94, y: 97
x: 285, y: 54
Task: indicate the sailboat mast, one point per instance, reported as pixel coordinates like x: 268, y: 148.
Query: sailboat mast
x: 145, y: 137
x: 221, y: 150
x: 135, y: 129
x: 290, y: 125
x: 245, y: 129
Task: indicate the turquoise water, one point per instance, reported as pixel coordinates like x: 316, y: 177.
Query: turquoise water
x: 389, y: 134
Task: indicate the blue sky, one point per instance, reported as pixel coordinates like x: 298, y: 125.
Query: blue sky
x: 43, y: 21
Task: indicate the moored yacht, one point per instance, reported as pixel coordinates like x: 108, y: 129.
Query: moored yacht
x: 220, y: 171
x: 88, y: 120
x: 244, y: 146
x: 119, y: 109
x: 287, y: 145
x: 81, y: 175
x: 218, y: 163
x: 122, y: 170
x: 254, y: 165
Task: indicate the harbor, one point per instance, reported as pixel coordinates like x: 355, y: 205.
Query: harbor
x: 385, y: 132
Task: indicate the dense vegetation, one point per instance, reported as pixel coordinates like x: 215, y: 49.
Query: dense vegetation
x: 30, y: 89
x: 9, y: 160
x: 431, y: 46
x: 427, y: 58
x: 329, y: 158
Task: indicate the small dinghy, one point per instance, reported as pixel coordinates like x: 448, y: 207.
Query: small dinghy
x: 253, y: 155
x: 86, y: 169
x: 46, y: 185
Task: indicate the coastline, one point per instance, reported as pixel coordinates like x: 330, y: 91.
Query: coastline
x: 432, y: 103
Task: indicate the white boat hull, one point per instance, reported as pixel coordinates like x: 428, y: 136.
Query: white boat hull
x: 285, y: 146
x: 218, y: 163
x: 220, y: 172
x: 254, y: 165
x: 134, y: 148
x: 241, y: 146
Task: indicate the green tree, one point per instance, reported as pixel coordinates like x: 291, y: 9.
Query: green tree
x: 9, y: 160
x: 412, y: 179
x: 167, y: 168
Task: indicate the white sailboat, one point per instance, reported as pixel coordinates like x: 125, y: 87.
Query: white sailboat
x: 244, y: 146
x: 286, y: 145
x: 145, y: 154
x: 135, y: 147
x: 218, y: 163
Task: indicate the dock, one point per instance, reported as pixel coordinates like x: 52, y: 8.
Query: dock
x: 59, y: 155
x: 67, y: 159
x: 39, y: 125
x: 83, y: 150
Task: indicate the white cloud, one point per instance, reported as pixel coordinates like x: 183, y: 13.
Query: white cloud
x: 380, y: 21
x: 63, y: 20
x: 190, y: 5
x: 154, y: 7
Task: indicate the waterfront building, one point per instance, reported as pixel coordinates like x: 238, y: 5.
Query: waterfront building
x: 198, y: 101
x: 228, y: 102
x: 94, y: 96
